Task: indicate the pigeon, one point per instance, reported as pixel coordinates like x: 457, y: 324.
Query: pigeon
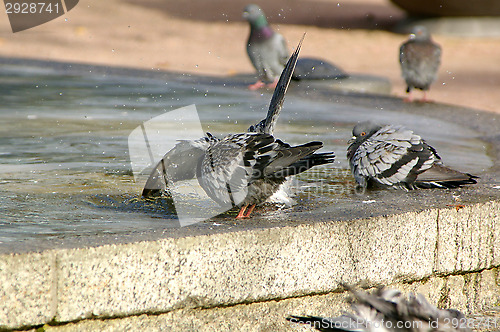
x: 387, y: 310
x: 241, y: 169
x: 394, y: 156
x: 420, y: 58
x: 266, y: 48
x: 246, y: 169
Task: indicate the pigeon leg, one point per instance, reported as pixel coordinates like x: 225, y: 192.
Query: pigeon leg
x: 241, y: 214
x: 408, y: 99
x: 249, y: 211
x: 273, y: 85
x: 424, y: 98
x: 257, y: 85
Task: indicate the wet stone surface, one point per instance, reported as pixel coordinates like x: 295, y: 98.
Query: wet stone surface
x: 66, y: 179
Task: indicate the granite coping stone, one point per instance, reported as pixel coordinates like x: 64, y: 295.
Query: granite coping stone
x: 227, y: 269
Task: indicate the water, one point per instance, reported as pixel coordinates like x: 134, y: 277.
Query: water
x: 64, y: 164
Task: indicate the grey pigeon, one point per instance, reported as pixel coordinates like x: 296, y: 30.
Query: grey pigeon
x: 266, y: 48
x: 395, y: 156
x: 387, y: 310
x: 241, y: 169
x: 420, y: 58
x: 246, y: 169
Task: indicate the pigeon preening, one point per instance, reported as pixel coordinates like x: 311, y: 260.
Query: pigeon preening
x: 266, y: 48
x: 387, y: 310
x: 241, y: 169
x: 395, y: 156
x: 420, y: 58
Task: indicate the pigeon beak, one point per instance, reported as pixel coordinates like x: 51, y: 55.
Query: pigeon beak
x: 245, y: 15
x: 351, y: 140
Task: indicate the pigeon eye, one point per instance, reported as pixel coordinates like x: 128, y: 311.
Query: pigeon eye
x: 363, y: 133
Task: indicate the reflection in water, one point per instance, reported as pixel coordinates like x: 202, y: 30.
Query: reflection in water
x: 65, y: 170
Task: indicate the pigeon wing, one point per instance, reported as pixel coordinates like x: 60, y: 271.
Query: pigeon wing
x: 178, y: 164
x: 392, y: 155
x: 230, y: 165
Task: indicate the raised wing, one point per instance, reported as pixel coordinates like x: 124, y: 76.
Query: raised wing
x: 267, y: 125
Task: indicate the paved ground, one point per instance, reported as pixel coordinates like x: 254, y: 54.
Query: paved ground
x: 205, y: 38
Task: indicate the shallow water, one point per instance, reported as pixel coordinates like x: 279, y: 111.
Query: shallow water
x: 64, y: 164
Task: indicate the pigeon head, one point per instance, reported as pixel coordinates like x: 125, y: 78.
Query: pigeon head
x: 363, y: 130
x: 420, y: 32
x: 255, y: 16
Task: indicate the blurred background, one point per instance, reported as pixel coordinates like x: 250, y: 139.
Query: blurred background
x: 209, y: 38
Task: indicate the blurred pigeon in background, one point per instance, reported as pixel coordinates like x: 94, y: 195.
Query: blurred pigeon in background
x: 387, y: 310
x: 395, y: 156
x: 266, y: 48
x: 420, y: 58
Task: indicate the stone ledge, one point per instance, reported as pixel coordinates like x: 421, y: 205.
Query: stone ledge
x: 467, y: 292
x: 254, y: 266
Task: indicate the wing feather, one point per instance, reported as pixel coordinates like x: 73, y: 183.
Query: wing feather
x: 392, y: 155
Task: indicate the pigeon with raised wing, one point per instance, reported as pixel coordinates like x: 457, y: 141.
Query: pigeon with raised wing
x: 241, y: 169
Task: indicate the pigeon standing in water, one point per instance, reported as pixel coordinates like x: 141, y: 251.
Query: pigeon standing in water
x: 389, y: 311
x: 420, y: 58
x: 246, y: 169
x: 241, y: 169
x: 395, y: 156
x: 266, y: 48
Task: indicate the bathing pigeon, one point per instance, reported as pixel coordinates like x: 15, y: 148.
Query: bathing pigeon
x: 266, y: 48
x: 241, y: 169
x: 420, y: 58
x: 395, y: 156
x: 246, y: 169
x: 387, y: 310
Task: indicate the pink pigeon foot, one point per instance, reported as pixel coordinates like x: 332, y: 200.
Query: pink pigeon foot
x: 257, y: 85
x: 273, y: 85
x: 242, y: 214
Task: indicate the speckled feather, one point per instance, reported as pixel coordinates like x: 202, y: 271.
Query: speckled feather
x: 245, y: 168
x: 180, y: 163
x: 395, y: 156
x: 248, y: 168
x: 387, y: 310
